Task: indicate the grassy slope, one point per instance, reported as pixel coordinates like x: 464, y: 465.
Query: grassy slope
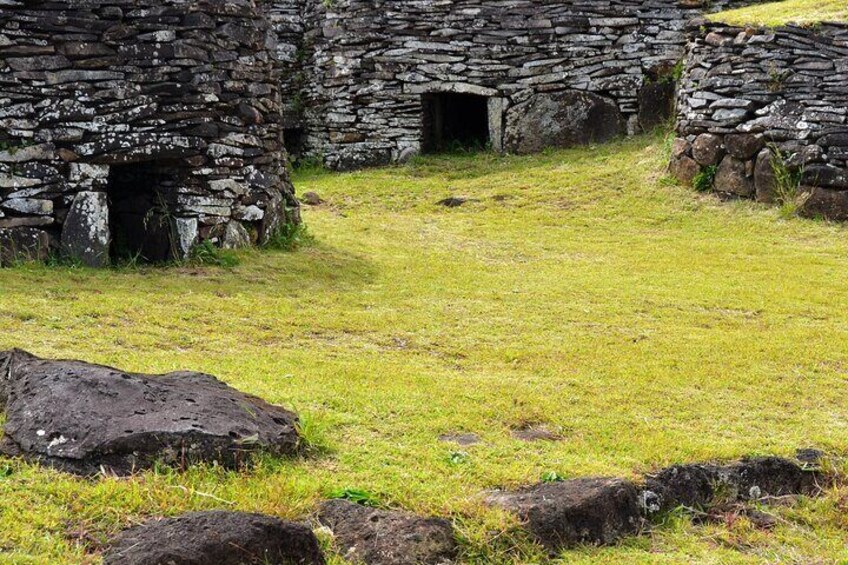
x: 787, y: 11
x: 645, y: 323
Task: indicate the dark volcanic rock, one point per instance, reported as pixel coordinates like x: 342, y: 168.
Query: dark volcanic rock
x: 684, y: 169
x: 765, y: 181
x: 86, y: 234
x: 23, y: 244
x: 453, y: 202
x: 80, y: 417
x: 216, y: 538
x: 564, y: 514
x: 732, y: 178
x: 381, y: 537
x: 561, y: 119
x: 771, y: 476
x: 680, y: 485
x: 825, y: 203
x: 698, y: 486
x: 743, y: 145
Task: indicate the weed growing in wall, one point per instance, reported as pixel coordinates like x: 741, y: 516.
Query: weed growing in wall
x: 705, y: 179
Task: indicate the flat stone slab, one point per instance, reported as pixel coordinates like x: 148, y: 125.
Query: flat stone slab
x: 216, y: 538
x: 82, y: 418
x: 384, y: 537
x: 564, y: 514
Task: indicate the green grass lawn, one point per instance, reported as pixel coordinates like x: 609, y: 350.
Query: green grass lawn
x: 644, y: 323
x: 787, y: 11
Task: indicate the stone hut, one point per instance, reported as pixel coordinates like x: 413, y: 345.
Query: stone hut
x: 138, y: 128
x: 371, y: 82
x: 759, y: 104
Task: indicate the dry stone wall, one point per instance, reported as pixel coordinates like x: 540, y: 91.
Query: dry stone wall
x: 553, y: 73
x: 147, y: 125
x: 758, y: 105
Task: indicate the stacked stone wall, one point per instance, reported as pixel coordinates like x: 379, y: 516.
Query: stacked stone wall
x: 758, y: 105
x: 191, y: 88
x: 555, y: 72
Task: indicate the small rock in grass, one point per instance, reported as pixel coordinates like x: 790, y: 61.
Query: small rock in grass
x: 564, y: 514
x: 453, y: 202
x: 311, y: 199
x: 535, y: 433
x: 216, y: 538
x: 383, y: 537
x: 463, y: 439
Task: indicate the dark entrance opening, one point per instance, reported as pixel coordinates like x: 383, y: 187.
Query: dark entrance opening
x: 294, y: 139
x: 139, y: 216
x: 455, y: 122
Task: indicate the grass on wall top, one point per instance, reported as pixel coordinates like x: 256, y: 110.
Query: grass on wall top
x: 788, y: 11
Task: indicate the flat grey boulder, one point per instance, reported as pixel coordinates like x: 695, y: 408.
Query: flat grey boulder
x: 561, y: 119
x: 581, y: 511
x: 384, y: 537
x: 216, y: 538
x: 82, y: 418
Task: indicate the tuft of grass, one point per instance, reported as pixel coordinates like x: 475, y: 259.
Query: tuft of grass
x: 704, y: 181
x: 774, y: 14
x: 290, y: 237
x: 207, y: 253
x: 787, y: 193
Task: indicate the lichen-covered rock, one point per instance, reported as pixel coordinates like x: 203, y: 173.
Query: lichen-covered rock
x: 85, y: 232
x: 86, y: 418
x: 564, y: 514
x: 383, y: 537
x: 561, y: 119
x: 215, y: 538
x: 765, y: 181
x: 707, y: 149
x: 743, y: 146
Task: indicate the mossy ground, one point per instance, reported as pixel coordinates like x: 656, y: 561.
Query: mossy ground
x: 644, y: 323
x: 807, y: 12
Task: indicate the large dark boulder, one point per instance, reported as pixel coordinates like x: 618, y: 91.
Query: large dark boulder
x: 561, y: 119
x: 708, y: 149
x: 564, y: 514
x: 216, y: 538
x: 383, y: 537
x: 699, y: 486
x: 81, y: 417
x: 825, y: 203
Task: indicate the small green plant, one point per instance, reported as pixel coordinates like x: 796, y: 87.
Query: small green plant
x: 705, y: 179
x: 207, y: 253
x: 457, y: 458
x: 552, y: 477
x: 290, y: 237
x: 777, y: 77
x: 357, y: 496
x: 787, y: 183
x: 313, y: 435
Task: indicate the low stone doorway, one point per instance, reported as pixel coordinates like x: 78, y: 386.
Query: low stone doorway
x: 454, y: 121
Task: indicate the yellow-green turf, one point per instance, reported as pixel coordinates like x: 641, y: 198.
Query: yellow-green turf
x: 806, y: 12
x: 644, y: 323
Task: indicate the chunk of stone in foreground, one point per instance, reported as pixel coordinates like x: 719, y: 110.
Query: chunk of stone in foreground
x: 216, y: 538
x: 383, y: 537
x: 82, y: 418
x: 564, y: 514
